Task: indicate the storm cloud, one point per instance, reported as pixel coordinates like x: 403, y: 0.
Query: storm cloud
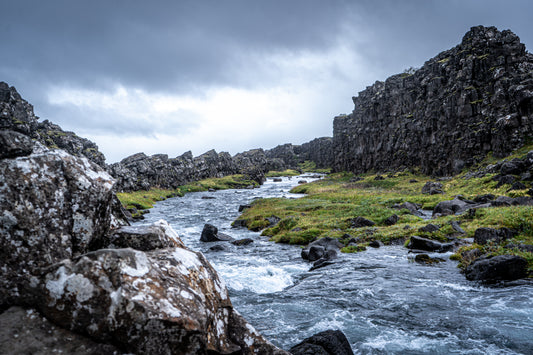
x: 171, y: 76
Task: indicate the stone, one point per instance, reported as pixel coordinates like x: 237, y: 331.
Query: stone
x: 484, y: 198
x: 497, y: 268
x: 219, y: 247
x: 300, y: 182
x: 426, y: 259
x: 412, y: 207
x: 504, y: 180
x: 210, y: 234
x: 419, y: 243
x: 244, y: 207
x: 241, y: 242
x: 277, y: 179
x: 456, y: 227
x: 320, y: 247
x: 359, y: 222
x: 329, y: 342
x: 517, y: 186
x: 272, y: 220
x: 432, y: 188
x: 14, y: 144
x: 430, y: 228
x: 484, y: 235
x: 208, y: 197
x: 455, y: 206
x: 156, y: 236
x: 391, y: 220
x: 512, y: 168
x: 375, y: 244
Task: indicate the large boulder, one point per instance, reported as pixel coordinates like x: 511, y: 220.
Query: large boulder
x: 54, y: 206
x: 168, y: 301
x: 156, y: 236
x: 484, y: 235
x: 497, y: 268
x: 329, y: 342
x: 210, y: 233
x: 319, y: 248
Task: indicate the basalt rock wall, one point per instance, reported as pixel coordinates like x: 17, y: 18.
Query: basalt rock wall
x: 468, y: 101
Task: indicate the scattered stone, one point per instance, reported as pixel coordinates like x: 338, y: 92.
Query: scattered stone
x: 379, y: 177
x: 432, y: 188
x: 412, y: 207
x: 484, y: 198
x: 359, y: 222
x: 456, y: 227
x: 329, y: 342
x: 244, y: 207
x: 504, y: 180
x: 392, y: 220
x: 272, y: 220
x: 430, y: 228
x: 239, y: 223
x: 241, y: 242
x: 14, y: 144
x: 219, y: 247
x: 211, y: 190
x: 496, y: 268
x: 484, y: 235
x: 302, y: 182
x: 297, y: 229
x: 277, y: 179
x: 208, y: 197
x: 450, y: 207
x: 522, y: 247
x: 419, y: 243
x: 320, y: 247
x: 517, y: 186
x: 412, y: 181
x: 356, y: 179
x: 426, y: 259
x: 375, y: 244
x: 210, y: 234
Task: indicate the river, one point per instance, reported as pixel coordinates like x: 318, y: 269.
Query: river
x: 383, y: 301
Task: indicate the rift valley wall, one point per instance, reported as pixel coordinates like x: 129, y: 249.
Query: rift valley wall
x: 468, y: 101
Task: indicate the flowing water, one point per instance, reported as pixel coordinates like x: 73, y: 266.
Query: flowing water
x: 383, y: 301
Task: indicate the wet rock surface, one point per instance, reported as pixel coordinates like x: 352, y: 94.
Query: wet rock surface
x: 497, y: 268
x: 329, y: 342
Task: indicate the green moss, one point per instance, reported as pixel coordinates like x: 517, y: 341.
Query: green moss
x: 310, y: 167
x: 288, y: 172
x: 353, y: 248
x: 445, y: 60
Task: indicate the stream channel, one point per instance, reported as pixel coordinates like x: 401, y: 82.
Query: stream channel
x: 383, y: 301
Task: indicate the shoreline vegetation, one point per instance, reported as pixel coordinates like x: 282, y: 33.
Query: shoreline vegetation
x: 362, y: 209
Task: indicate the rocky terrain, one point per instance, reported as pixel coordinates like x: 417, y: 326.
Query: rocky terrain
x: 471, y: 100
x: 74, y: 278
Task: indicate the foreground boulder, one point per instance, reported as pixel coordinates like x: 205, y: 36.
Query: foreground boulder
x: 497, y: 268
x: 145, y: 238
x: 329, y: 342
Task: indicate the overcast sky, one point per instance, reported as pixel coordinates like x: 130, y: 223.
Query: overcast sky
x: 171, y: 76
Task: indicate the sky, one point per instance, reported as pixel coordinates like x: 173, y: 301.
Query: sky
x: 230, y: 75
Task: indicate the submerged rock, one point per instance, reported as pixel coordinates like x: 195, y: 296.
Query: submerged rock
x: 329, y: 342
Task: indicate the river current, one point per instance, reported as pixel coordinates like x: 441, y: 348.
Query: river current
x: 383, y: 301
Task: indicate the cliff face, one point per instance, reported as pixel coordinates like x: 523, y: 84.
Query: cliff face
x: 16, y: 114
x: 319, y: 151
x: 468, y: 101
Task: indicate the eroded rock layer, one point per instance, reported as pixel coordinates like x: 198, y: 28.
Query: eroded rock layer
x: 468, y: 101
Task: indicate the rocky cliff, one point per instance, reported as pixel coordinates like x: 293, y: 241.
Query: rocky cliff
x: 462, y: 104
x: 16, y: 114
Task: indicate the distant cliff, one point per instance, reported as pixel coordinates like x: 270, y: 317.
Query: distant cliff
x: 16, y: 114
x: 140, y: 172
x: 468, y: 101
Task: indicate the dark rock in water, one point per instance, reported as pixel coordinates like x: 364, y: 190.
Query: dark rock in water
x: 359, y: 222
x: 320, y: 263
x: 496, y: 268
x: 27, y: 332
x: 430, y: 228
x: 219, y: 247
x: 241, y: 242
x: 420, y: 243
x: 239, y: 223
x: 320, y: 247
x: 14, y: 144
x: 208, y: 197
x: 392, y: 220
x: 243, y: 207
x: 277, y: 179
x: 432, y: 188
x: 426, y: 259
x: 484, y: 235
x: 456, y: 227
x: 302, y: 182
x: 210, y: 234
x: 424, y: 118
x: 329, y: 342
x: 375, y: 244
x: 156, y: 236
x: 211, y: 189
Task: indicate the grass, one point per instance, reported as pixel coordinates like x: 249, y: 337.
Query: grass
x: 288, y: 172
x: 331, y: 203
x: 143, y: 200
x: 310, y: 167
